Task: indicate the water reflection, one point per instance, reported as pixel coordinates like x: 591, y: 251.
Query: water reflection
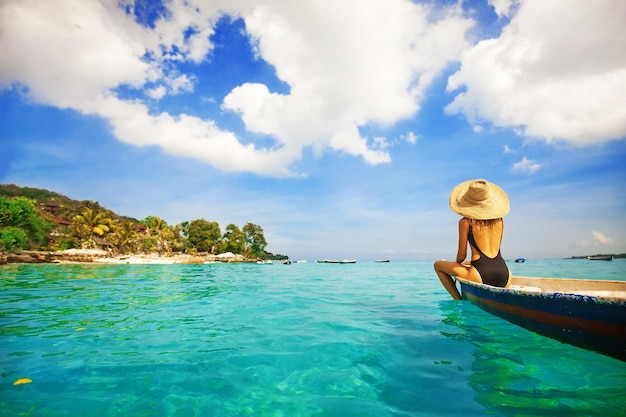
x: 52, y: 300
x: 518, y: 372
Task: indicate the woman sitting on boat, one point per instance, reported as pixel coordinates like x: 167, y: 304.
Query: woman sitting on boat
x: 482, y: 205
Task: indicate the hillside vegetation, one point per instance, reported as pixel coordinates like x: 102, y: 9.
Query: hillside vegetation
x: 34, y: 218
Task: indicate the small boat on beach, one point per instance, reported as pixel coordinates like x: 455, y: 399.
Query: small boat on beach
x: 600, y: 258
x: 587, y: 313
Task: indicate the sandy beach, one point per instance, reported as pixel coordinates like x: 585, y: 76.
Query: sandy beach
x: 155, y: 258
x: 151, y: 259
x: 100, y: 256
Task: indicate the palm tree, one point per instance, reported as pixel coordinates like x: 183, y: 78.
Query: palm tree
x: 161, y: 236
x: 90, y: 223
x: 124, y: 236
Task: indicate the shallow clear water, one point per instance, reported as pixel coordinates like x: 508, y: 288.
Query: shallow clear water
x: 309, y: 339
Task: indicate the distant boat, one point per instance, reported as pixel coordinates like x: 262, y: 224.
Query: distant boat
x: 267, y: 262
x: 301, y: 261
x: 381, y: 260
x: 600, y: 258
x: 520, y: 260
x: 287, y: 262
x: 586, y: 313
x: 336, y: 261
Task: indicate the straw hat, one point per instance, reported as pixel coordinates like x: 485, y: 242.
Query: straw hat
x: 479, y: 200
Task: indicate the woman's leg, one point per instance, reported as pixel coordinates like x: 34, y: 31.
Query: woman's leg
x: 446, y: 270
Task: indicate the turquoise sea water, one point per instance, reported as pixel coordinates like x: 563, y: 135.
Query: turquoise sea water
x: 362, y: 339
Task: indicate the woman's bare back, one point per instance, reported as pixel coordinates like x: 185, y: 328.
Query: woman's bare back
x: 488, y: 237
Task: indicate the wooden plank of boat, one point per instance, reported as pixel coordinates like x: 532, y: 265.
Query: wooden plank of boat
x: 585, y: 313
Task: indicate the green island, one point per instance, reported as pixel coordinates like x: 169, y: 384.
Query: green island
x: 37, y: 225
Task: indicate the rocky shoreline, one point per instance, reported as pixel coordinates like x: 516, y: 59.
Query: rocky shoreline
x: 98, y: 256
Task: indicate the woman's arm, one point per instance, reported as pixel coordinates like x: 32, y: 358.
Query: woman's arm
x: 461, y: 253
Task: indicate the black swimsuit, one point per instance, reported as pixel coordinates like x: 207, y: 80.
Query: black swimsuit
x: 493, y: 271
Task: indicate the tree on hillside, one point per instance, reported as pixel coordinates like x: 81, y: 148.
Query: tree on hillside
x: 233, y: 240
x: 155, y: 225
x: 177, y: 240
x: 21, y: 224
x: 255, y: 240
x: 125, y: 237
x: 184, y: 229
x: 160, y: 236
x: 89, y: 224
x: 203, y: 235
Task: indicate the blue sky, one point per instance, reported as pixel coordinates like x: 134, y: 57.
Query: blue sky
x: 339, y: 127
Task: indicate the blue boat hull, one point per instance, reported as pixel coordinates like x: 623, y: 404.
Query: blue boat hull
x: 593, y: 322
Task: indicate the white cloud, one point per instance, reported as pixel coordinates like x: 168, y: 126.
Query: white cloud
x: 410, y: 137
x: 68, y: 52
x: 558, y: 71
x: 599, y: 237
x: 180, y: 84
x: 503, y: 7
x: 526, y: 165
x: 185, y: 32
x: 197, y: 138
x: 157, y: 93
x: 369, y: 62
x: 380, y: 143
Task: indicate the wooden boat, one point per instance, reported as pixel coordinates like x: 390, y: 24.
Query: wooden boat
x: 336, y: 261
x: 600, y: 258
x: 381, y: 260
x: 585, y: 313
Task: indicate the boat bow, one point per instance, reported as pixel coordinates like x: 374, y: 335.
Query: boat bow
x: 586, y: 313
